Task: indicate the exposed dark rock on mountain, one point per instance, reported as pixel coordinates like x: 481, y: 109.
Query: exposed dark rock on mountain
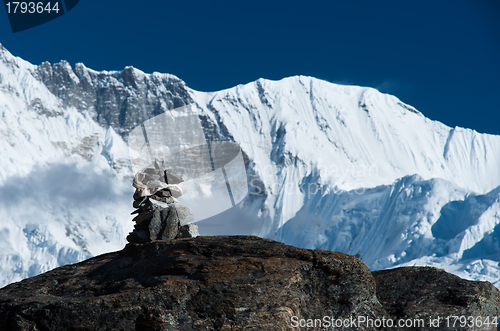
x: 229, y: 283
x: 120, y: 99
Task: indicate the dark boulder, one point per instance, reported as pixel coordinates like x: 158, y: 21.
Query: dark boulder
x: 431, y: 293
x: 226, y: 283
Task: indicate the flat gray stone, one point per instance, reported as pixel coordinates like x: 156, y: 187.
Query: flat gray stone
x: 170, y: 223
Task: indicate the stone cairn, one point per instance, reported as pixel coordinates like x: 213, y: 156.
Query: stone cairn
x: 160, y: 215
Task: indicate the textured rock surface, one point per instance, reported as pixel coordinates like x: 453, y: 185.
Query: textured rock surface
x: 160, y: 215
x: 161, y: 218
x: 424, y: 292
x: 217, y: 283
x: 120, y: 99
x: 188, y: 231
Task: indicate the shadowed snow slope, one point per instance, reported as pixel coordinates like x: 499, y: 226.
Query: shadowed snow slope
x: 335, y: 167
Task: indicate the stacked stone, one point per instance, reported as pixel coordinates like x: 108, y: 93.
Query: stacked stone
x: 160, y: 215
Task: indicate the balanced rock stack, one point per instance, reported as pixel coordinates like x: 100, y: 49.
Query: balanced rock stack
x: 160, y: 215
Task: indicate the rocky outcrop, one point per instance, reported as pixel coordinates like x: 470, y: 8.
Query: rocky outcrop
x: 429, y: 293
x: 230, y: 283
x: 120, y: 99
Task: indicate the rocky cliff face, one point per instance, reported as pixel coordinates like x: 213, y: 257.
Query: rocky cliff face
x: 121, y: 99
x: 233, y: 283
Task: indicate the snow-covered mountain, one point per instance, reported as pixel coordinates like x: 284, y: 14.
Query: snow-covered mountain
x: 335, y: 167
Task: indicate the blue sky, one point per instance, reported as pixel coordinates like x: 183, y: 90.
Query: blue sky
x: 441, y: 57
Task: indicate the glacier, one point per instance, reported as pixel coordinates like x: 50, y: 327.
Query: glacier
x: 334, y: 167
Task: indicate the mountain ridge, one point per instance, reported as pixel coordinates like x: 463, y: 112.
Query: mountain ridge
x: 308, y: 144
